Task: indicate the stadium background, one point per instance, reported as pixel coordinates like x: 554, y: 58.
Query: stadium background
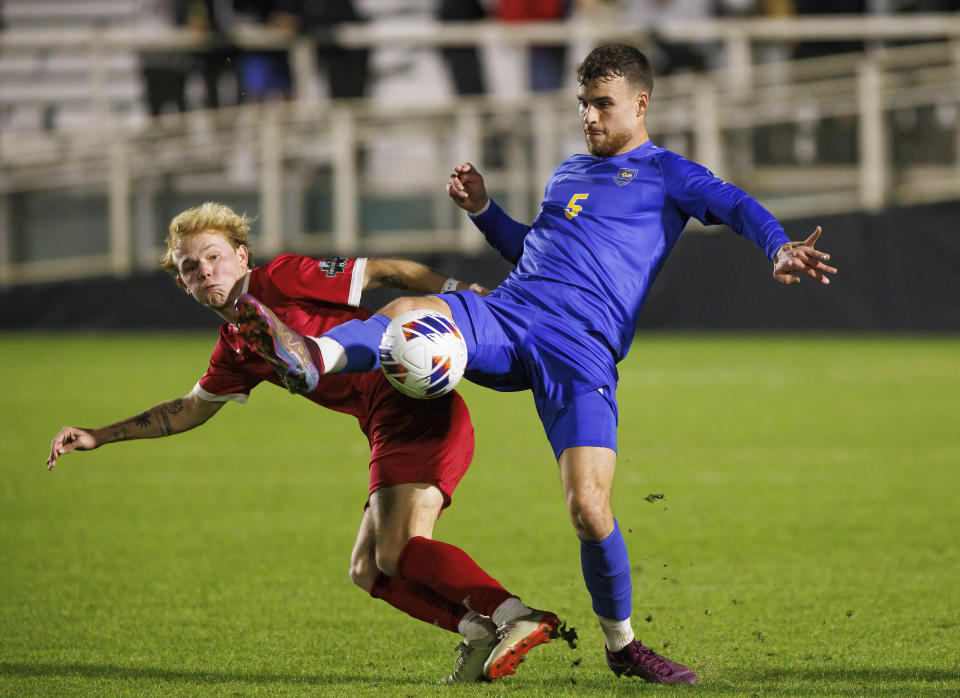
x: 846, y: 120
x: 204, y: 564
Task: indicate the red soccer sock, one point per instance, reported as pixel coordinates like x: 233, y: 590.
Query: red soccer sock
x: 451, y: 573
x: 418, y: 601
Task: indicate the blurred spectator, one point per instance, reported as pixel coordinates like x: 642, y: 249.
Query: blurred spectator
x: 668, y: 57
x: 348, y: 69
x: 463, y: 62
x: 165, y: 72
x: 266, y: 74
x: 547, y: 63
x: 217, y: 65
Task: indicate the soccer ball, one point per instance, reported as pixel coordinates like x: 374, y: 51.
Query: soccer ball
x: 422, y: 354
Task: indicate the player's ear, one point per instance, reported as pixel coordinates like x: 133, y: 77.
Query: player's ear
x: 243, y: 255
x: 643, y: 101
x: 182, y: 285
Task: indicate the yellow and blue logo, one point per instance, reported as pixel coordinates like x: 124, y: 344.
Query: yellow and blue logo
x: 624, y: 177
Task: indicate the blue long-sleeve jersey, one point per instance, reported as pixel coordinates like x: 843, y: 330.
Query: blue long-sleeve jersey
x: 605, y: 229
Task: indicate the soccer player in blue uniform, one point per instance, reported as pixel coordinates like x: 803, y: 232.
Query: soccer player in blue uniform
x: 566, y: 314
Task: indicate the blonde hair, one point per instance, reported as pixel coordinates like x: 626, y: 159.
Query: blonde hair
x: 207, y: 217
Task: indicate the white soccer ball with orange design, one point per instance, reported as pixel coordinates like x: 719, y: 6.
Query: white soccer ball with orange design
x: 422, y: 354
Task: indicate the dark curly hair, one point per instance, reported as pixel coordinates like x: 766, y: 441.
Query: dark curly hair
x: 615, y: 61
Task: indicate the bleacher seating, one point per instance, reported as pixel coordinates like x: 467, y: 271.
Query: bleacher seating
x: 50, y: 87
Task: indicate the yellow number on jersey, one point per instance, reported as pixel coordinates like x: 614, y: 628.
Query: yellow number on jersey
x: 573, y: 208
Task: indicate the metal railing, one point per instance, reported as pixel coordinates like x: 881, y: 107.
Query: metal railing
x: 373, y: 176
x: 738, y: 37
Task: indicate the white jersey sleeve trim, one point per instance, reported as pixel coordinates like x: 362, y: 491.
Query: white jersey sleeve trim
x: 356, y: 281
x: 212, y: 397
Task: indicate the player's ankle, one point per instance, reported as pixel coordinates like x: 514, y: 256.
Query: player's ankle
x: 475, y: 627
x: 617, y: 633
x: 327, y: 354
x: 510, y: 610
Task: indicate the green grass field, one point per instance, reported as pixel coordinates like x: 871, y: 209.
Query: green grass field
x: 806, y: 543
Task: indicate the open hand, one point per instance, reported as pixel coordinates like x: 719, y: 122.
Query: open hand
x: 796, y: 259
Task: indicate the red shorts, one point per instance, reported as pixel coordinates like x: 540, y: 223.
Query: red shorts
x: 420, y: 441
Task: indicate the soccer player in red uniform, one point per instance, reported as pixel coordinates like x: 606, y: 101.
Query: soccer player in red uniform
x: 419, y: 449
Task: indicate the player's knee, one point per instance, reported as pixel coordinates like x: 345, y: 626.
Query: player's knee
x: 399, y: 306
x: 363, y: 571
x: 402, y: 305
x: 387, y: 555
x: 591, y: 517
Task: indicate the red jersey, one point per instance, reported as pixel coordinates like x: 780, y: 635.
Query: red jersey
x: 425, y: 439
x: 311, y: 296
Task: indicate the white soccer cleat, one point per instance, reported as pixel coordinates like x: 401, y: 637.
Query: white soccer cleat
x: 518, y: 637
x: 473, y: 657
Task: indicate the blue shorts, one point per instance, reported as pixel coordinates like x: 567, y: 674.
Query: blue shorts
x: 571, y: 372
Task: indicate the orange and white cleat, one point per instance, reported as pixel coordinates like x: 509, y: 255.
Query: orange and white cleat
x: 518, y: 637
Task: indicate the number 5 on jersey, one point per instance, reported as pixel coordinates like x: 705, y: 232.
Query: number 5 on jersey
x: 573, y: 208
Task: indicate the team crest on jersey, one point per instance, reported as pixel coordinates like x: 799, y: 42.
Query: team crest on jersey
x: 333, y: 265
x: 624, y: 177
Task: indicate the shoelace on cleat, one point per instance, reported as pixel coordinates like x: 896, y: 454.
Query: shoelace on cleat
x: 465, y: 651
x: 652, y: 661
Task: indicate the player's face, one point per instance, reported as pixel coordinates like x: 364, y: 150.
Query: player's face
x: 211, y: 270
x: 611, y: 114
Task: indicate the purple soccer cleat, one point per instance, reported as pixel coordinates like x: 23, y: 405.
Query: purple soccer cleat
x: 284, y: 349
x: 643, y: 662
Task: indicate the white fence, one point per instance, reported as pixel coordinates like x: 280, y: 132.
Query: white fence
x: 849, y: 132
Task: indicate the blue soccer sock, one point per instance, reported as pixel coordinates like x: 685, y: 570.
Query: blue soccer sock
x: 606, y: 571
x: 360, y: 340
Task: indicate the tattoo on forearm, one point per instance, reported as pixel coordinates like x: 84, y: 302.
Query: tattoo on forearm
x: 165, y: 428
x: 392, y: 280
x: 121, y: 434
x: 142, y: 420
x: 175, y: 406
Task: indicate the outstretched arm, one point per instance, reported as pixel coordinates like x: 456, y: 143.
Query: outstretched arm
x: 796, y: 259
x: 791, y: 260
x: 171, y: 417
x: 465, y: 186
x: 412, y: 276
x: 699, y: 193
